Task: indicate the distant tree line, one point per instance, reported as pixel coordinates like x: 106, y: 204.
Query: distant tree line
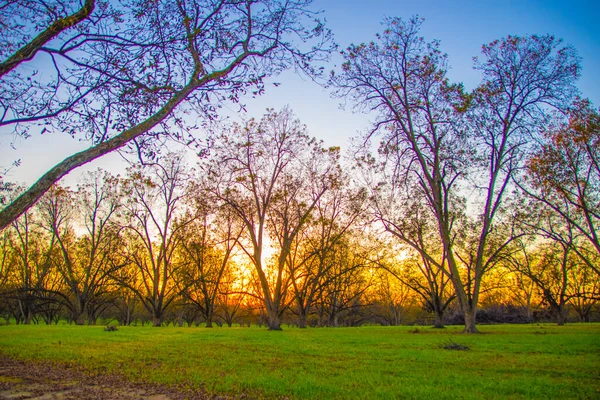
x: 269, y: 228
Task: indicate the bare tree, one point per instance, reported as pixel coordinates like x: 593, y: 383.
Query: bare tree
x: 585, y: 291
x: 401, y: 212
x: 522, y: 291
x: 389, y: 300
x: 429, y: 146
x: 271, y: 174
x: 155, y: 198
x: 345, y: 283
x: 86, y: 259
x: 550, y: 259
x: 549, y: 271
x: 132, y: 71
x: 333, y: 220
x: 207, y: 246
x: 232, y: 300
x: 429, y: 283
x: 32, y: 255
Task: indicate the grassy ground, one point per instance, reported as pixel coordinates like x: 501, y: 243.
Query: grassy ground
x: 521, y: 361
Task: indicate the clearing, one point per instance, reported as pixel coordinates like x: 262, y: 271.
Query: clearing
x: 506, y: 361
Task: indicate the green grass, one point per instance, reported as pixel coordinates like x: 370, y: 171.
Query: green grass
x: 521, y: 361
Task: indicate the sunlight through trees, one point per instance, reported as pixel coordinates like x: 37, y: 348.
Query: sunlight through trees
x: 456, y: 207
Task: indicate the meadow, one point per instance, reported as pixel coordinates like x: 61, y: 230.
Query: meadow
x: 505, y: 361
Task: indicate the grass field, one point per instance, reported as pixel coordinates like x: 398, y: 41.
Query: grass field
x: 520, y: 361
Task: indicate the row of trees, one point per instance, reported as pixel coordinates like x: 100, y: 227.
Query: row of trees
x: 163, y: 238
x: 270, y: 225
x: 464, y: 183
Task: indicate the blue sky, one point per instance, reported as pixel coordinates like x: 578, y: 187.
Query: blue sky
x: 461, y: 26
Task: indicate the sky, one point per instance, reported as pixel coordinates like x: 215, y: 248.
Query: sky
x: 461, y: 26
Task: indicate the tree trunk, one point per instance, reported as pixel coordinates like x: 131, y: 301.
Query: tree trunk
x: 301, y: 316
x: 273, y: 319
x: 302, y: 321
x: 470, y: 321
x: 156, y: 320
x: 560, y: 317
x: 24, y: 313
x: 438, y: 319
x: 529, y: 314
x: 586, y: 317
x: 79, y: 318
x: 584, y: 313
x: 209, y: 316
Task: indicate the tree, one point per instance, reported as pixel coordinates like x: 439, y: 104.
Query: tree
x: 232, y: 300
x: 206, y: 247
x: 5, y: 272
x: 32, y: 256
x: 522, y: 290
x: 129, y: 72
x: 390, y: 298
x: 88, y: 259
x: 402, y: 214
x: 6, y: 262
x: 428, y: 282
x: 271, y: 174
x: 155, y: 195
x: 585, y: 291
x: 563, y: 174
x: 550, y: 271
x: 550, y: 260
x: 524, y: 78
x: 345, y: 283
x: 428, y: 143
x: 311, y: 258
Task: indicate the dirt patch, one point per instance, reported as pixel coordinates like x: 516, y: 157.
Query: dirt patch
x: 20, y: 380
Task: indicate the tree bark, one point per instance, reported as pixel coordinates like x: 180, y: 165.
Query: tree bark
x: 209, y: 318
x: 438, y: 319
x: 302, y: 321
x: 561, y: 318
x: 156, y: 320
x: 273, y: 319
x: 470, y: 320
